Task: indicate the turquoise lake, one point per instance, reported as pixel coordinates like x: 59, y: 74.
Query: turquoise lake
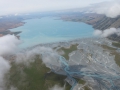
x: 49, y: 29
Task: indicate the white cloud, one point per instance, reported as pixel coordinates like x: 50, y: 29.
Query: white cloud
x: 57, y: 87
x: 107, y: 32
x: 8, y: 44
x: 97, y: 32
x: 109, y: 8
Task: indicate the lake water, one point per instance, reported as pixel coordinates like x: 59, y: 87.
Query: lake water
x: 49, y: 29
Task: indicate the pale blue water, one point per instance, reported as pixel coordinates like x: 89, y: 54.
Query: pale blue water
x: 48, y: 29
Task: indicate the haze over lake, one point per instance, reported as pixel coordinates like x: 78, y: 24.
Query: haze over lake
x: 49, y: 29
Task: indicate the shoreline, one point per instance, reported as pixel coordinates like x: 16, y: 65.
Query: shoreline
x: 51, y: 44
x: 8, y: 31
x: 22, y: 23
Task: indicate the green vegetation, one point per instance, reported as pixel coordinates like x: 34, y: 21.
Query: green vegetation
x: 117, y: 57
x: 86, y: 88
x: 53, y: 79
x: 67, y: 51
x: 116, y: 44
x: 33, y: 77
x: 80, y: 81
x: 108, y: 48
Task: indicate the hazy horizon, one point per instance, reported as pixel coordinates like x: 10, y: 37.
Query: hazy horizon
x: 28, y: 6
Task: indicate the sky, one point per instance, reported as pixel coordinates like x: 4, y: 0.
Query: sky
x: 26, y: 6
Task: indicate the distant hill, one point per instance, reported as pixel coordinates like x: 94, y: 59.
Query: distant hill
x: 98, y: 21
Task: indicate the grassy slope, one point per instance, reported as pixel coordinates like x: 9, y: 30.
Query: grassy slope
x: 116, y: 44
x: 33, y: 77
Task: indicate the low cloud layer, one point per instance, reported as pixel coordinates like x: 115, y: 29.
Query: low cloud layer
x: 8, y: 45
x: 28, y: 55
x: 48, y: 56
x: 107, y: 32
x: 108, y: 8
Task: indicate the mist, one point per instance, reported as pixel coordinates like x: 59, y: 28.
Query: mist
x: 48, y: 56
x: 110, y: 8
x: 27, y: 6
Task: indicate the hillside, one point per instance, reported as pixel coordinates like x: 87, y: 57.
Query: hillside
x: 98, y: 21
